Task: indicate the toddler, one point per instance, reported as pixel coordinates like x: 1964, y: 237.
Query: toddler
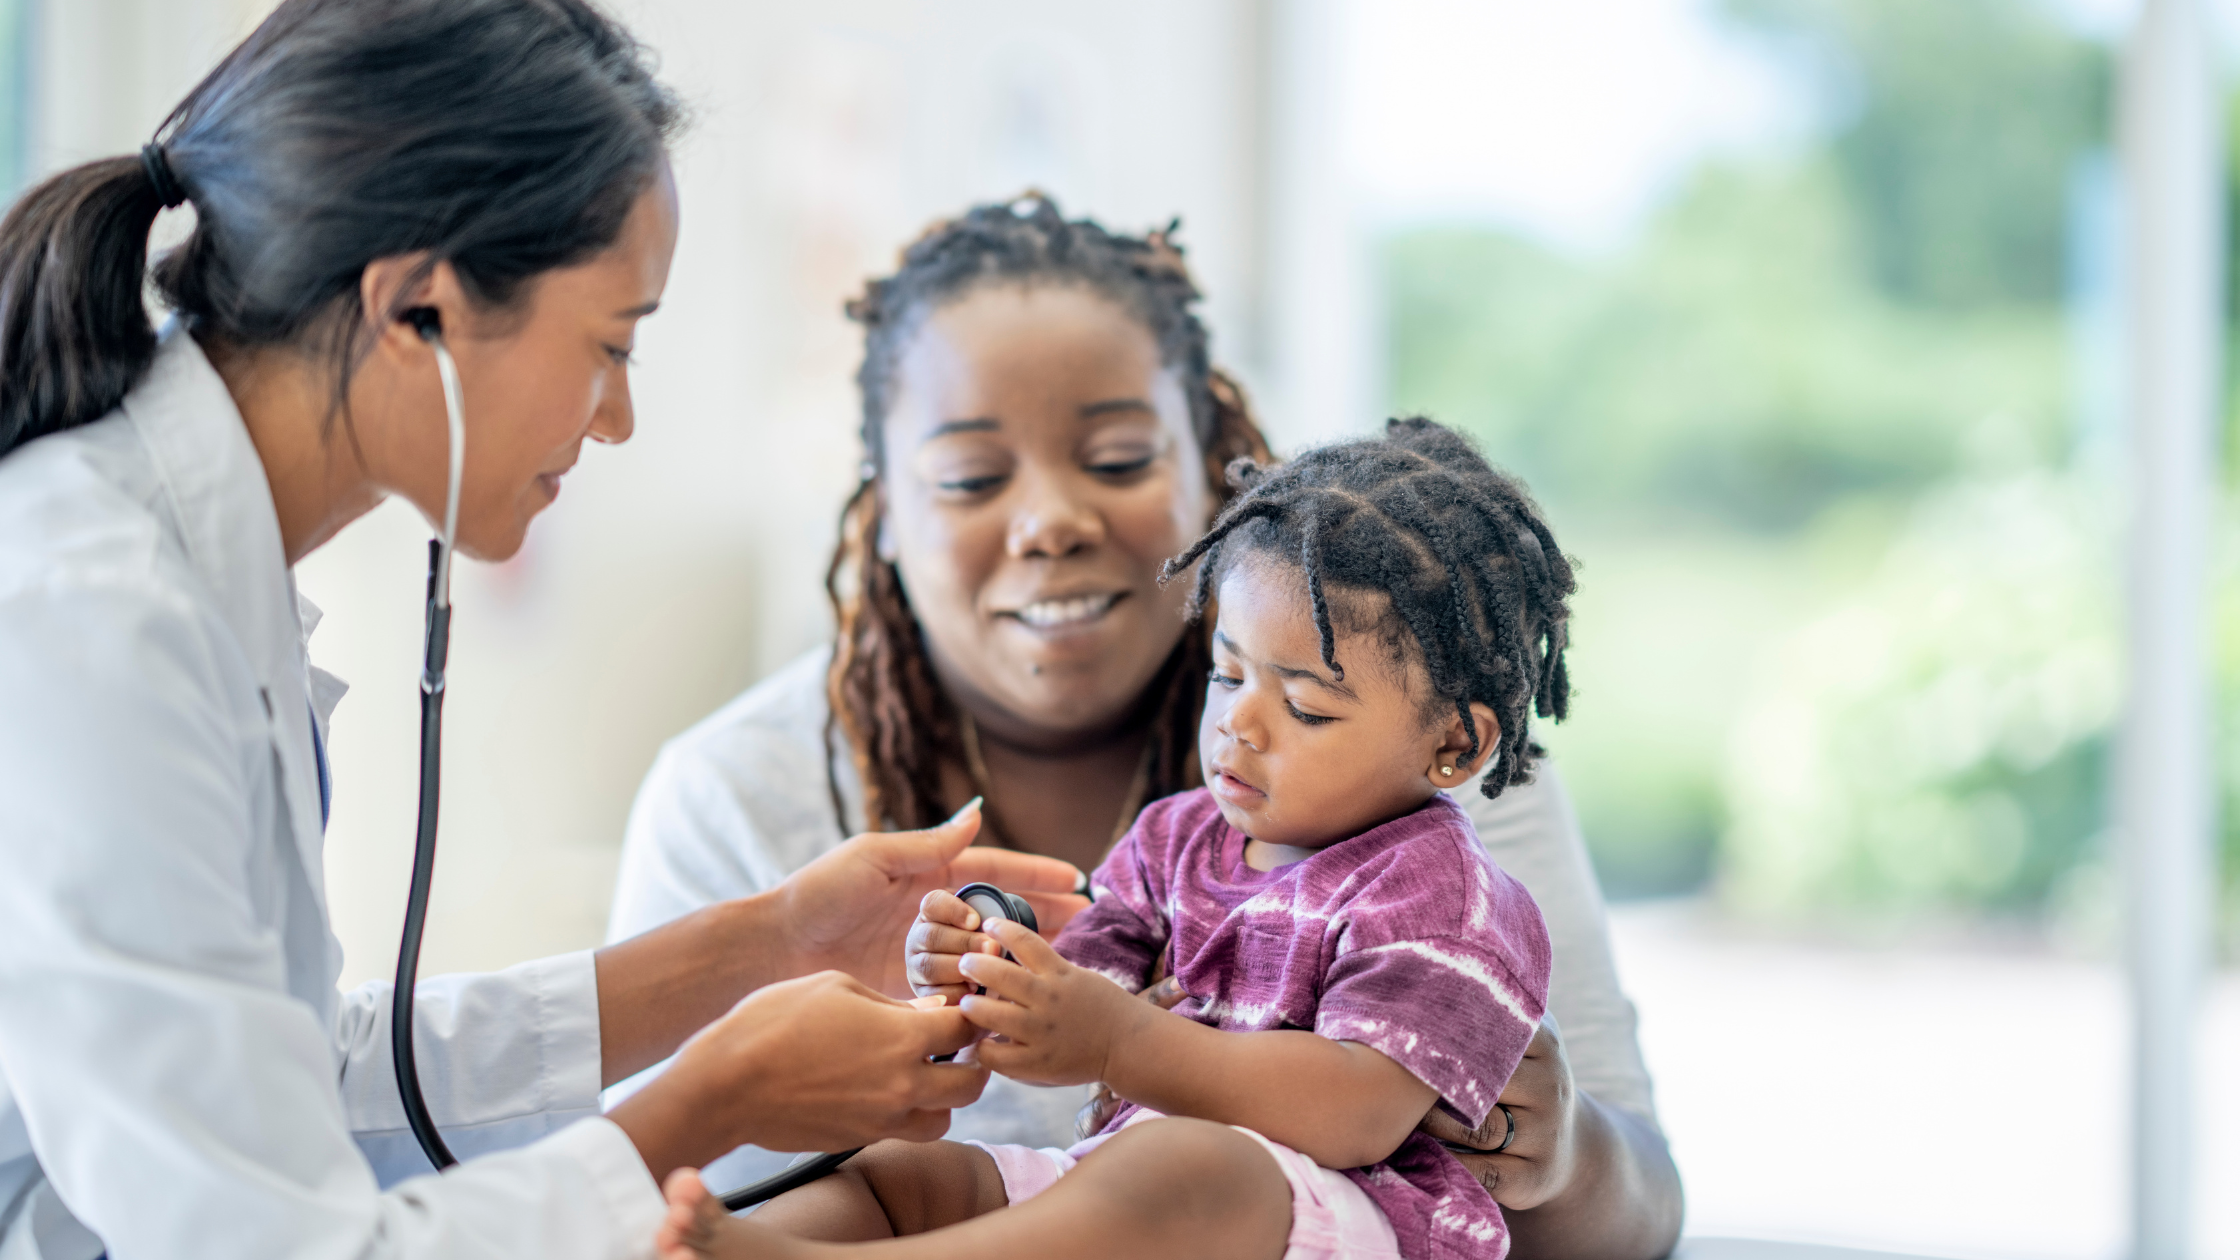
x: 1390, y: 611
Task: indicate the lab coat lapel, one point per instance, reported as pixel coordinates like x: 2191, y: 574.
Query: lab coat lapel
x: 223, y: 505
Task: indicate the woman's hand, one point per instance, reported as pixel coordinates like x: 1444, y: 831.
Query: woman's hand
x: 851, y: 910
x: 1581, y: 1180
x: 820, y: 1063
x: 1059, y: 1022
x: 1539, y: 1162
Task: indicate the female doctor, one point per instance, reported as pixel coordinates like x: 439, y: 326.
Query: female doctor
x: 178, y: 1075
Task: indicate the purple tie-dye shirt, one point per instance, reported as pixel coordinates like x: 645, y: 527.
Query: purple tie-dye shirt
x: 1405, y: 938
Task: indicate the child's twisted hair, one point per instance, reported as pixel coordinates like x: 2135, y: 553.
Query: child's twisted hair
x: 884, y: 699
x: 1472, y: 570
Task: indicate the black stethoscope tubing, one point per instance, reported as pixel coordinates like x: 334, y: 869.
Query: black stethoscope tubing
x: 436, y: 648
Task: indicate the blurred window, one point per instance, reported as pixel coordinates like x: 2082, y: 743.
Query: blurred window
x: 15, y: 93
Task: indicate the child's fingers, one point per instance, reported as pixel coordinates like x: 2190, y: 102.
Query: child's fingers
x: 936, y: 938
x: 1004, y: 1057
x: 1052, y: 911
x: 935, y: 973
x: 995, y: 1015
x: 1000, y: 976
x: 1029, y: 949
x: 948, y: 909
x: 1022, y: 1063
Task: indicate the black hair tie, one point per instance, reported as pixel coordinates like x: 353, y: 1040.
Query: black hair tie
x: 158, y: 167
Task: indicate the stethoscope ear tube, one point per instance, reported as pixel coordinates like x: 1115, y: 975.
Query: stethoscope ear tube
x: 437, y: 648
x: 436, y: 651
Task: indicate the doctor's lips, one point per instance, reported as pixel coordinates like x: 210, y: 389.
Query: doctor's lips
x: 550, y: 478
x: 1064, y: 613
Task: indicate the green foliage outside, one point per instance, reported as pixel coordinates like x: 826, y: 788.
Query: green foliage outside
x: 1848, y: 626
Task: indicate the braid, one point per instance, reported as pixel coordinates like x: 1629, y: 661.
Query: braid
x: 882, y: 695
x: 1310, y: 559
x: 898, y: 726
x: 1472, y: 570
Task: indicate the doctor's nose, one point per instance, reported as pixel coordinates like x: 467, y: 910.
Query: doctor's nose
x: 616, y: 419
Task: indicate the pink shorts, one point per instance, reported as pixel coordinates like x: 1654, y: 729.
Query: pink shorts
x: 1331, y: 1218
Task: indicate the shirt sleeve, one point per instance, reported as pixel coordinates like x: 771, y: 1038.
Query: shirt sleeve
x: 1124, y: 930
x: 1453, y: 998
x: 504, y: 1058
x: 1533, y: 833
x: 180, y: 1099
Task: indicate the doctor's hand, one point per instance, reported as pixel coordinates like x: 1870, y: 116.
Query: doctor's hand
x: 821, y: 1063
x: 851, y: 910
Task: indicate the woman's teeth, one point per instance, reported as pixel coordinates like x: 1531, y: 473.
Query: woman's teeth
x: 1057, y: 612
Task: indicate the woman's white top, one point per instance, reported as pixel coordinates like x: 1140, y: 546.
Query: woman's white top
x: 178, y: 1075
x: 741, y: 801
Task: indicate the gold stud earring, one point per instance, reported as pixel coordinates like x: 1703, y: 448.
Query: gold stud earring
x: 1446, y: 770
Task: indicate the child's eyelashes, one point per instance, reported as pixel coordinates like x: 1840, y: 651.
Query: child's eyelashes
x: 1230, y: 682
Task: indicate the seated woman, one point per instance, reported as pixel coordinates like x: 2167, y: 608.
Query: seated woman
x: 1392, y: 612
x: 1042, y: 429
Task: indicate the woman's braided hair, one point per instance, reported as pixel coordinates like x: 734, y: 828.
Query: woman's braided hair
x: 899, y: 727
x: 1474, y: 575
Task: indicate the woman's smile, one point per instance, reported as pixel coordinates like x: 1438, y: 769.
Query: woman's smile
x: 1049, y: 467
x: 1063, y: 614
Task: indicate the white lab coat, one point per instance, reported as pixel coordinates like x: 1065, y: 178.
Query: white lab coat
x: 178, y: 1075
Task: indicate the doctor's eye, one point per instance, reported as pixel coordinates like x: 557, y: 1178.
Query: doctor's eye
x: 621, y: 356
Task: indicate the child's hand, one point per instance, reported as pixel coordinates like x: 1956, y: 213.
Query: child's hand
x: 946, y: 930
x: 1166, y: 994
x: 1060, y: 1024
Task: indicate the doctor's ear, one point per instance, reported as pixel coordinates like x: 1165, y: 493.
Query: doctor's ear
x: 407, y: 300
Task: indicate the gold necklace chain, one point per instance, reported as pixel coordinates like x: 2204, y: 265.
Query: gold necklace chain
x: 977, y: 767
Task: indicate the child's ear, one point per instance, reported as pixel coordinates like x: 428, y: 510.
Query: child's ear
x: 1452, y: 763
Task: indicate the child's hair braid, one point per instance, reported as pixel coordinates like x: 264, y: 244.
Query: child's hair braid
x: 1472, y: 570
x: 884, y: 699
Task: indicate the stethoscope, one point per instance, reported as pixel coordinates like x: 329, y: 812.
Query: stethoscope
x: 991, y: 902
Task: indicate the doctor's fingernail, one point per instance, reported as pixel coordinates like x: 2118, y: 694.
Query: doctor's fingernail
x: 966, y: 808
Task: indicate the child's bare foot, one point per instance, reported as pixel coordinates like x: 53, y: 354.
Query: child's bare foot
x: 697, y: 1226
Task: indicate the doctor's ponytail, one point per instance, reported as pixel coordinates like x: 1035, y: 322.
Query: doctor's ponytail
x: 505, y: 137
x: 74, y: 334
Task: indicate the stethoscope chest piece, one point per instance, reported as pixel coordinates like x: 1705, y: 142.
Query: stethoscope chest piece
x: 991, y: 902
